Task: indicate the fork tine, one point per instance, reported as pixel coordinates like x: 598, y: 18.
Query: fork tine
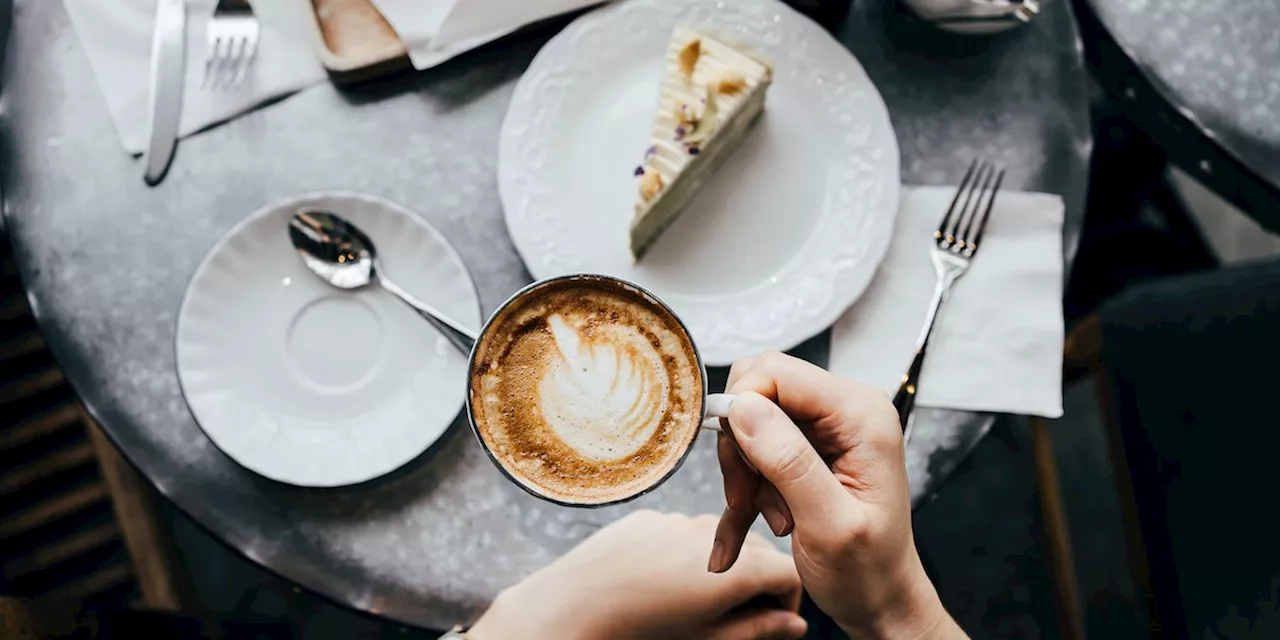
x: 250, y: 51
x: 235, y: 70
x: 234, y: 48
x: 231, y: 36
x: 210, y: 59
x: 986, y: 215
x: 969, y: 206
x: 965, y: 234
x: 223, y: 55
x: 942, y: 232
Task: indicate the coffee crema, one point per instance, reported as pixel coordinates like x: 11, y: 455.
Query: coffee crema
x: 586, y: 390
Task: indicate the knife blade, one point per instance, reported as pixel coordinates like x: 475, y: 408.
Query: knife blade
x: 168, y: 72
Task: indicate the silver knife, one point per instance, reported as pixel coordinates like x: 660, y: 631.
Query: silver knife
x: 168, y: 71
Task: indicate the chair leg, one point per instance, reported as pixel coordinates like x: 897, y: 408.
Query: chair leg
x: 152, y: 549
x: 1137, y: 548
x: 1053, y: 515
x: 1082, y: 350
x: 22, y: 619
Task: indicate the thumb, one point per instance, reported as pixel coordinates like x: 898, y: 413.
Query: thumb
x: 761, y: 624
x: 775, y: 445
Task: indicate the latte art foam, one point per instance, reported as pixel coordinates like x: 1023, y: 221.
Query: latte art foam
x: 586, y: 391
x: 603, y: 398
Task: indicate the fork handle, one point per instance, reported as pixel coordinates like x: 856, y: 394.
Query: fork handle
x: 905, y: 399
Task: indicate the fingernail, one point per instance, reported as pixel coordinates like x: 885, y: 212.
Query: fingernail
x: 716, y: 563
x: 749, y: 413
x: 773, y: 516
x: 797, y: 627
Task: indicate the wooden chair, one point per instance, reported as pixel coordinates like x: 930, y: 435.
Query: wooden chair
x: 77, y: 523
x: 1185, y: 370
x: 1082, y: 358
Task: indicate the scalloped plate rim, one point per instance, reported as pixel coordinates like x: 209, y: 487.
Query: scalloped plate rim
x: 853, y: 286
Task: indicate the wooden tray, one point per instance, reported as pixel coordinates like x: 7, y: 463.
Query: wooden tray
x: 355, y: 42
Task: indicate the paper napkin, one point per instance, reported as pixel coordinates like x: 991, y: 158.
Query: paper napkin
x: 436, y: 30
x: 116, y: 36
x: 997, y: 345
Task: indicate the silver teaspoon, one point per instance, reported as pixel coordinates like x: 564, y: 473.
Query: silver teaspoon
x: 343, y: 256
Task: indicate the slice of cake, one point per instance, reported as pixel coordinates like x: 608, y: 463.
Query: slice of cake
x: 712, y: 91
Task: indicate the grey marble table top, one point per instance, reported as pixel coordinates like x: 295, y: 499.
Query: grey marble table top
x: 106, y: 261
x: 1217, y: 60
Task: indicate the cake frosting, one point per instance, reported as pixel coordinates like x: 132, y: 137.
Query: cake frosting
x: 712, y: 91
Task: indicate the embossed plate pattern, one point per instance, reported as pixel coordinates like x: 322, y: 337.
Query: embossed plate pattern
x: 312, y: 385
x: 777, y: 244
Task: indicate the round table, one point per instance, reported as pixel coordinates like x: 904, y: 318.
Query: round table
x: 106, y: 260
x: 1202, y: 79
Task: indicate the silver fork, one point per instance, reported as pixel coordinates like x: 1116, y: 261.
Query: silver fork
x: 955, y: 243
x: 232, y: 42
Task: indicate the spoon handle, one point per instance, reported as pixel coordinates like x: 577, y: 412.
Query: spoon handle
x: 453, y: 331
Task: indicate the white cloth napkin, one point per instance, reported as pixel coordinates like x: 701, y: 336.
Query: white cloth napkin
x: 436, y: 30
x: 116, y: 36
x: 997, y: 345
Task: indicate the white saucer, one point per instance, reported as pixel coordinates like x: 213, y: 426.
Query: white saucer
x: 778, y: 243
x: 311, y: 385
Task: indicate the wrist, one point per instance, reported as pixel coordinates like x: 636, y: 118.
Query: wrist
x: 496, y: 621
x: 513, y: 616
x: 915, y: 614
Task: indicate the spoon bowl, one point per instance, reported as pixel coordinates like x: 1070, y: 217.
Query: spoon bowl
x: 342, y: 255
x: 333, y: 248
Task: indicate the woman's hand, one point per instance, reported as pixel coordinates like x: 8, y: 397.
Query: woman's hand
x: 645, y: 576
x: 831, y: 472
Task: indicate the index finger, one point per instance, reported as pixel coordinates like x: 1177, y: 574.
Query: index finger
x: 804, y: 391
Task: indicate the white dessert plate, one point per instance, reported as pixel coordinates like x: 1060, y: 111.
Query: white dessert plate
x: 776, y: 245
x: 315, y: 386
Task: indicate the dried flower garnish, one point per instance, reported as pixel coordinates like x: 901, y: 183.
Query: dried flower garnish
x: 689, y: 58
x: 650, y: 185
x: 705, y: 124
x: 686, y: 120
x: 693, y: 151
x: 639, y: 171
x: 729, y: 84
x: 650, y: 152
x: 692, y: 117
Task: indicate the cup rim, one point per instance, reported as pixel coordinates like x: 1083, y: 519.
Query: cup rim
x: 520, y: 294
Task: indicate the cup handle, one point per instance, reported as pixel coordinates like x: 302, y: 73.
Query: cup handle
x: 717, y: 406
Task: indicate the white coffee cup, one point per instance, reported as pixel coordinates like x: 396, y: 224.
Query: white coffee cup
x: 714, y: 405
